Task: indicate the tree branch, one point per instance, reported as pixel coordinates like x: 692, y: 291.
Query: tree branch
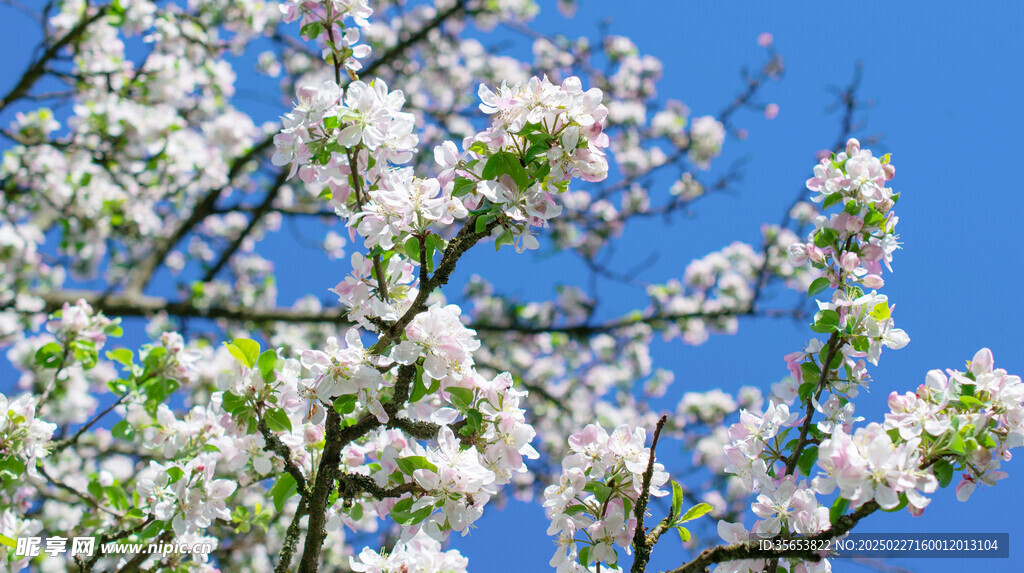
x: 38, y: 67
x: 751, y: 550
x: 641, y: 544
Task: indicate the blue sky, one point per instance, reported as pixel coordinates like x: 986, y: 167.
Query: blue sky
x: 945, y: 77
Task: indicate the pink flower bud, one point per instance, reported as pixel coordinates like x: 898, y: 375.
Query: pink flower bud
x: 854, y: 224
x: 313, y: 434
x: 849, y: 261
x: 873, y: 281
x: 852, y: 146
x: 815, y: 254
x: 765, y: 39
x: 771, y: 111
x: 889, y: 170
x: 872, y: 252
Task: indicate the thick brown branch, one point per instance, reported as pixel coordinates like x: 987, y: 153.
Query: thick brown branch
x: 325, y: 476
x: 291, y: 538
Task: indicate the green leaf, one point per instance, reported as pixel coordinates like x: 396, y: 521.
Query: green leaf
x: 135, y: 513
x: 677, y: 499
x: 157, y: 392
x: 805, y: 389
x: 117, y: 497
x: 402, y: 515
x: 695, y: 512
x: 807, y: 459
x: 412, y: 249
x: 684, y: 534
x: 85, y: 352
x: 831, y: 200
x: 482, y: 221
x: 153, y: 529
x: 474, y: 419
x: 505, y: 163
x: 505, y: 238
x: 575, y: 508
x: 410, y: 464
x: 4, y: 540
x: 880, y: 311
x: 463, y: 186
x: 435, y: 243
x: 461, y: 398
x: 121, y: 355
x: 419, y: 389
x: 266, y: 363
x: 12, y: 467
x: 819, y: 284
x: 943, y: 471
x: 860, y: 343
x: 956, y: 444
x: 175, y: 474
x: 600, y: 490
x: 584, y: 555
x: 284, y: 488
x: 245, y: 350
x: 277, y: 420
x: 534, y: 152
x: 51, y: 355
x: 971, y: 402
x: 851, y: 208
x: 332, y: 122
x: 826, y: 321
x: 873, y: 219
x: 838, y: 509
x: 825, y: 237
x: 312, y: 30
x: 232, y: 403
x: 810, y: 371
x: 123, y: 431
x: 345, y: 404
x: 478, y: 147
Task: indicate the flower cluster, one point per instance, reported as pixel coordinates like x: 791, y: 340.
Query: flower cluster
x: 860, y: 238
x: 188, y: 495
x: 325, y: 21
x: 422, y: 554
x: 329, y: 129
x: 569, y: 119
x: 79, y: 323
x: 592, y: 502
x: 963, y: 421
x: 869, y: 466
x: 956, y: 421
x: 23, y: 437
x: 718, y: 287
x: 440, y: 337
